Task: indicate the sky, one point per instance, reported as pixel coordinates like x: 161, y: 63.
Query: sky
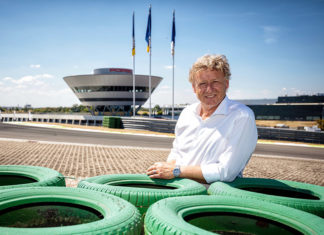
x: 274, y: 48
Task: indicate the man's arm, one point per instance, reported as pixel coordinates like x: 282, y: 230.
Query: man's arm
x: 192, y: 172
x: 164, y: 170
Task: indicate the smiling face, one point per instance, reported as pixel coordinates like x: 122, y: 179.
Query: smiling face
x: 210, y: 87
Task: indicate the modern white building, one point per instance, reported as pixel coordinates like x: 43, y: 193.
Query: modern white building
x: 111, y: 89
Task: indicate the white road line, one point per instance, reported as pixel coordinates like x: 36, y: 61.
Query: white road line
x: 292, y: 144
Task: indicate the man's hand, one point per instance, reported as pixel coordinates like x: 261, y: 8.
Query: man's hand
x: 161, y: 170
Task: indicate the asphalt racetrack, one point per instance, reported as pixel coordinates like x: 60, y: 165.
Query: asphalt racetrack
x: 34, y: 133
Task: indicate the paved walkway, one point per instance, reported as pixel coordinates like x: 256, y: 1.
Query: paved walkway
x: 81, y: 161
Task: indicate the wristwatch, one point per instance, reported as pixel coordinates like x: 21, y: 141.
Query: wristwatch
x: 176, y: 171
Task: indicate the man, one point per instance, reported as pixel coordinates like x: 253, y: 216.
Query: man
x: 215, y: 137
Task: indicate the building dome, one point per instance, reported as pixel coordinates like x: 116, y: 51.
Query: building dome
x: 111, y: 89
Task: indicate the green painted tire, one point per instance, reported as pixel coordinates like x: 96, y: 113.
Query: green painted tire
x: 306, y: 197
x: 141, y: 190
x: 113, y: 215
x: 17, y: 176
x: 227, y: 215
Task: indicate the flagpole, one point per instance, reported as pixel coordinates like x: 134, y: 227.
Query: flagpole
x: 150, y: 85
x: 172, y: 86
x: 133, y: 53
x: 133, y: 85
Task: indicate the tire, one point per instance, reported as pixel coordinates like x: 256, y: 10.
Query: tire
x: 217, y: 214
x: 17, y: 176
x: 306, y: 197
x: 113, y: 215
x: 139, y: 196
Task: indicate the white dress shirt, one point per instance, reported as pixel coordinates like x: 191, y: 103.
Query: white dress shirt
x: 222, y: 144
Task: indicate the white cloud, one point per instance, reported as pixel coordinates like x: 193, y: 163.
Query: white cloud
x: 39, y: 83
x: 39, y: 90
x: 270, y: 34
x: 30, y: 79
x: 169, y: 66
x: 34, y: 66
x: 7, y: 79
x: 238, y: 94
x: 20, y: 86
x: 283, y: 91
x: 295, y: 91
x: 45, y: 75
x: 39, y: 93
x: 24, y: 79
x: 4, y: 90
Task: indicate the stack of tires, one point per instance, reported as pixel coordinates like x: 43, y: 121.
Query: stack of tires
x: 141, y: 190
x: 19, y: 176
x: 112, y: 122
x: 244, y: 206
x: 181, y: 206
x: 34, y: 200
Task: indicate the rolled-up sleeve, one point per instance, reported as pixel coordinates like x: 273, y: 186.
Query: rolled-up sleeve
x: 240, y: 144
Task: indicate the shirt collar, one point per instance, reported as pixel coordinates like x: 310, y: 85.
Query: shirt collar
x: 222, y: 109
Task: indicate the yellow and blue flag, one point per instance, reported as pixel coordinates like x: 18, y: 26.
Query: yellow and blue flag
x: 133, y: 49
x: 149, y: 31
x: 173, y: 34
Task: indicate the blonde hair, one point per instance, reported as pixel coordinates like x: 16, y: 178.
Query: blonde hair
x: 210, y: 62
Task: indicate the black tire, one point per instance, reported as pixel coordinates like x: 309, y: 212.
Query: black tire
x: 142, y: 197
x: 218, y: 214
x: 16, y: 176
x: 113, y: 215
x: 306, y: 197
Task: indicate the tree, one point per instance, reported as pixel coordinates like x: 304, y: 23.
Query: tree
x: 75, y: 108
x: 157, y: 108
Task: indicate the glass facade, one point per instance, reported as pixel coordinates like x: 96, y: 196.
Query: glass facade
x: 110, y: 99
x: 87, y: 89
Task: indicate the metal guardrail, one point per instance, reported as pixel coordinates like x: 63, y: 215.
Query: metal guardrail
x: 164, y: 126
x: 291, y: 135
x: 167, y: 126
x: 157, y: 125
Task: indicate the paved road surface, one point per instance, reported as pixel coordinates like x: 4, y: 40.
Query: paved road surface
x: 112, y: 139
x: 83, y: 137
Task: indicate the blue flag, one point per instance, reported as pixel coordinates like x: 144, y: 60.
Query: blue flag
x: 173, y: 34
x: 149, y: 31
